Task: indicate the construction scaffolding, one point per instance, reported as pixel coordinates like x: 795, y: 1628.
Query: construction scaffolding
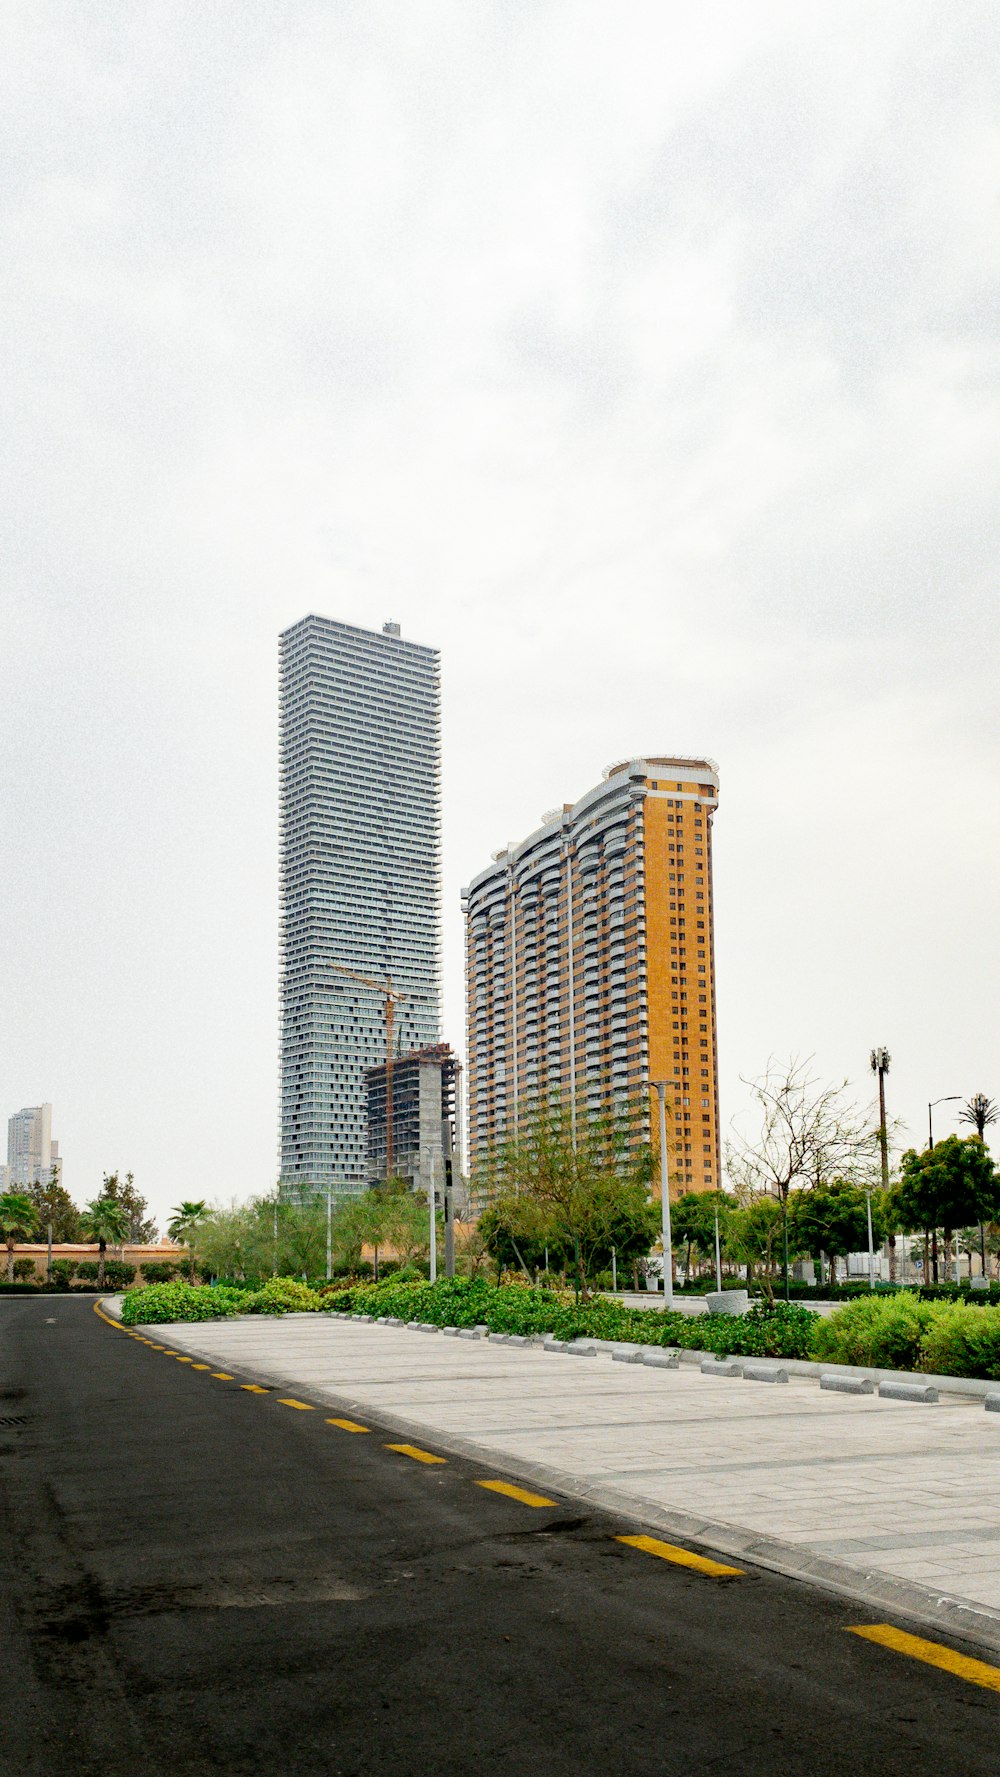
x: 422, y: 1115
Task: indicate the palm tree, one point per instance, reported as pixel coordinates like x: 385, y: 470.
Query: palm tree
x: 18, y: 1220
x: 979, y: 1111
x: 183, y: 1226
x: 103, y: 1220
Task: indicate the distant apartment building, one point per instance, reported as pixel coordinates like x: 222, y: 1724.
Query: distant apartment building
x: 360, y: 890
x: 32, y: 1155
x: 590, y: 966
x: 424, y: 1116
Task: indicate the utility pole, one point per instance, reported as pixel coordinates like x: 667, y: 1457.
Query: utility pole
x: 880, y: 1059
x: 329, y: 1234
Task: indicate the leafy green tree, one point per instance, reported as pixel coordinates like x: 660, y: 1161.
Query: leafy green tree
x: 18, y: 1221
x: 578, y: 1184
x: 105, y: 1222
x: 184, y: 1225
x: 754, y: 1236
x: 54, y: 1204
x: 950, y: 1185
x: 692, y: 1222
x: 833, y: 1219
x: 140, y: 1226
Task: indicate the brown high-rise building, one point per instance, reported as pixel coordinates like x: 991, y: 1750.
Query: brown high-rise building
x: 590, y: 965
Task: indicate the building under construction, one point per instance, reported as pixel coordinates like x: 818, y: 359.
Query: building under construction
x: 424, y: 1115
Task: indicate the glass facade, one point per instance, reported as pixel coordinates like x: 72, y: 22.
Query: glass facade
x: 360, y: 880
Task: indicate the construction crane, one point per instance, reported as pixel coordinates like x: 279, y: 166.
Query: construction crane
x: 391, y: 997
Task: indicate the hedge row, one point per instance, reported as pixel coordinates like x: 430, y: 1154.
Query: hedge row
x: 781, y: 1331
x: 159, y: 1303
x: 893, y: 1332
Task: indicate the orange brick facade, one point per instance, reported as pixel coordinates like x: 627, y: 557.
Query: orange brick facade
x: 590, y: 963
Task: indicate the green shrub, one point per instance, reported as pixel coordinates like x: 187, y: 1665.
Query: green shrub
x: 87, y: 1270
x: 962, y: 1340
x: 158, y: 1271
x: 118, y: 1276
x: 24, y: 1270
x: 876, y: 1331
x: 158, y: 1303
x: 63, y: 1272
x: 281, y: 1295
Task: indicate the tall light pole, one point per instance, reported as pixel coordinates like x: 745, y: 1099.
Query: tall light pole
x: 329, y: 1235
x: 949, y: 1098
x: 432, y: 1194
x: 880, y: 1059
x: 660, y: 1088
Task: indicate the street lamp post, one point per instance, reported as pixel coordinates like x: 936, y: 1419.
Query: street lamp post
x: 871, y: 1244
x: 329, y: 1235
x: 432, y: 1193
x: 949, y: 1098
x: 660, y: 1087
x: 718, y: 1255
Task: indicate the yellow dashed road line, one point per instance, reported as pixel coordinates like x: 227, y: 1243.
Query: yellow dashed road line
x: 303, y: 1406
x: 417, y: 1454
x: 933, y: 1653
x: 651, y: 1545
x: 199, y: 1366
x: 347, y: 1425
x: 253, y: 1388
x: 222, y: 1376
x: 512, y: 1492
x: 182, y: 1360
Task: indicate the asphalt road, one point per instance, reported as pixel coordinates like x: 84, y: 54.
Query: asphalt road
x: 197, y: 1578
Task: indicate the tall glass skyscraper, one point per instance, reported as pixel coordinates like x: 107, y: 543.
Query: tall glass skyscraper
x: 360, y: 880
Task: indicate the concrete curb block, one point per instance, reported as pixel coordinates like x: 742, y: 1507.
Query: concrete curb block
x: 659, y: 1360
x: 763, y: 1373
x: 628, y: 1357
x: 468, y: 1333
x: 992, y: 1403
x: 555, y: 1345
x: 848, y: 1384
x: 711, y: 1367
x: 908, y: 1391
x: 450, y: 1332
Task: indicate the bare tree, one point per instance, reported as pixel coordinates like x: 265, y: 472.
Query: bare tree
x: 808, y: 1134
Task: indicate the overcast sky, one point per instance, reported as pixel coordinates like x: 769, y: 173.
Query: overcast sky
x: 641, y: 357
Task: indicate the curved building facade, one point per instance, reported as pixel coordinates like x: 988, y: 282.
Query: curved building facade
x: 590, y: 966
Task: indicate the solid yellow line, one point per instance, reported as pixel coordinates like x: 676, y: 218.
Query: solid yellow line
x: 651, y: 1545
x: 303, y: 1406
x: 347, y: 1425
x: 512, y: 1492
x: 253, y: 1388
x: 417, y: 1454
x: 221, y: 1376
x: 933, y: 1653
x: 199, y: 1366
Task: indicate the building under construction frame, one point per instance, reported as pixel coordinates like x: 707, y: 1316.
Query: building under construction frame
x: 424, y: 1114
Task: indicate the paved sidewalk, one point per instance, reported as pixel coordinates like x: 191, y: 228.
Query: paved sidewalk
x: 892, y: 1501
